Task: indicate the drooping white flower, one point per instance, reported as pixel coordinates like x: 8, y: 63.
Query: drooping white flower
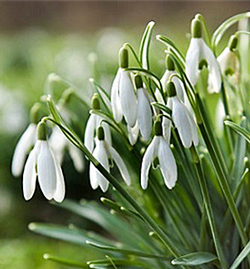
x: 104, y: 152
x: 199, y: 54
x: 123, y: 98
x: 43, y: 165
x: 59, y: 144
x: 182, y: 118
x: 93, y: 123
x: 133, y: 133
x: 159, y: 148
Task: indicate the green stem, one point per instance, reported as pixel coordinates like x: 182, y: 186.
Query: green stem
x: 208, y: 207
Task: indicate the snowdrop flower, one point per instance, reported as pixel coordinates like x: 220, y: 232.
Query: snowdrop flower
x: 228, y: 60
x: 123, y: 98
x: 198, y: 55
x: 182, y: 118
x: 159, y: 149
x: 59, y: 144
x: 104, y: 152
x: 92, y: 125
x: 144, y: 112
x: 42, y: 164
x: 25, y: 144
x: 133, y: 133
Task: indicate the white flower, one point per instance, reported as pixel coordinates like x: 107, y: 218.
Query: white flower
x: 160, y: 149
x: 59, y: 144
x: 22, y: 149
x: 182, y: 118
x: 133, y: 133
x: 104, y: 152
x: 43, y: 165
x: 198, y: 52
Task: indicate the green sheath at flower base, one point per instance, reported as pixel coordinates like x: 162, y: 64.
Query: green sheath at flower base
x: 233, y: 42
x: 171, y: 91
x: 34, y: 114
x: 95, y: 102
x: 169, y: 63
x: 123, y: 58
x: 138, y: 82
x: 196, y: 28
x: 100, y: 133
x: 41, y: 131
x: 158, y: 128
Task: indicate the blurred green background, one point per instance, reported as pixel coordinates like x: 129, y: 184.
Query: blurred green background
x: 37, y: 38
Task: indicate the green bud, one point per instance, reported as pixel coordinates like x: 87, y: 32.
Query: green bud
x: 41, y: 131
x: 34, y: 114
x: 138, y: 81
x: 100, y: 133
x: 202, y: 63
x: 158, y: 128
x: 171, y: 91
x: 123, y: 58
x: 95, y: 102
x: 169, y: 63
x: 196, y: 28
x: 233, y: 42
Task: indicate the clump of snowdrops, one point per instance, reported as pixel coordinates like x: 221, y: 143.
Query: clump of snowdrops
x: 170, y: 153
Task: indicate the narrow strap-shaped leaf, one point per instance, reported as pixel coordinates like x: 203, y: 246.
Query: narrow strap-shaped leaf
x: 240, y: 130
x: 241, y: 256
x: 194, y: 259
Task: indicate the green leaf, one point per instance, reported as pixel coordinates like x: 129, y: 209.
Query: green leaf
x: 163, y: 108
x: 194, y: 259
x: 145, y: 43
x: 240, y: 130
x: 241, y: 256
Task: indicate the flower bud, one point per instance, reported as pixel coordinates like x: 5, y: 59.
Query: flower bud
x: 41, y: 131
x: 196, y: 28
x: 123, y: 58
x: 95, y: 102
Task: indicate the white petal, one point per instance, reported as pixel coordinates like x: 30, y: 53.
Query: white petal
x: 90, y: 132
x: 214, y: 77
x: 128, y: 98
x: 181, y: 121
x: 167, y: 164
x: 96, y: 178
x: 77, y: 157
x: 121, y: 165
x: 29, y: 174
x: 107, y: 133
x: 46, y: 171
x: 179, y: 88
x: 193, y: 59
x: 115, y: 98
x: 165, y: 78
x: 25, y: 143
x: 193, y: 127
x: 60, y: 185
x: 133, y: 133
x: 159, y: 97
x: 144, y: 114
x: 166, y: 129
x: 147, y: 160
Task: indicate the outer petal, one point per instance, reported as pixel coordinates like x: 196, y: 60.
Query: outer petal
x: 214, y: 77
x: 89, y: 132
x: 121, y: 165
x: 115, y: 98
x: 128, y: 98
x: 60, y: 185
x: 107, y: 132
x: 29, y: 174
x: 96, y: 178
x: 179, y: 88
x: 192, y: 59
x: 167, y: 164
x: 133, y: 133
x: 147, y: 160
x: 77, y: 158
x: 165, y: 78
x: 166, y: 128
x: 193, y: 127
x: 181, y: 121
x: 46, y: 171
x: 25, y: 143
x: 144, y: 114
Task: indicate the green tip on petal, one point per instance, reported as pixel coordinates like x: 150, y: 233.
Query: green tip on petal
x: 169, y: 63
x: 196, y: 28
x: 34, y: 114
x: 123, y: 58
x: 95, y: 102
x: 41, y: 131
x: 100, y: 133
x: 202, y: 63
x: 233, y: 42
x: 138, y: 81
x: 171, y: 91
x: 158, y: 128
